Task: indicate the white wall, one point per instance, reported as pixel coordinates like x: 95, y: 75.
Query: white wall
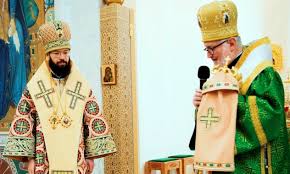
x: 169, y: 52
x: 166, y: 68
x: 84, y: 21
x: 288, y: 42
x: 277, y: 27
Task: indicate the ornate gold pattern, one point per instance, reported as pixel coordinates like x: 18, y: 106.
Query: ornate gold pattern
x: 58, y: 43
x: 108, y: 2
x: 236, y: 150
x: 100, y: 146
x: 36, y: 48
x: 5, y: 19
x: 55, y: 35
x: 262, y: 161
x: 256, y: 121
x: 232, y: 71
x: 20, y: 146
x: 66, y: 120
x: 54, y: 120
x: 277, y: 56
x: 260, y: 68
x: 269, y: 150
x: 118, y: 100
x: 218, y: 20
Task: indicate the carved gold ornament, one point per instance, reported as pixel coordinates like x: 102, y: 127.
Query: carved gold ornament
x: 108, y: 2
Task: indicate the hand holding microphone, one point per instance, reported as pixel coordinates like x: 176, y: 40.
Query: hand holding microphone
x: 197, y: 98
x: 203, y: 75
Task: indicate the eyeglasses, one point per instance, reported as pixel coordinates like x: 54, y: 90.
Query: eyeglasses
x: 58, y: 54
x: 210, y: 50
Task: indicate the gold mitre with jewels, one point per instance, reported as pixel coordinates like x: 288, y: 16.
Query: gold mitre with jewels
x: 55, y: 35
x: 218, y: 20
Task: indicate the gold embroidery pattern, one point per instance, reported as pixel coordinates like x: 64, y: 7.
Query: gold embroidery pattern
x: 55, y: 35
x: 262, y: 160
x: 277, y: 53
x: 75, y: 95
x: 256, y: 121
x: 236, y: 150
x: 44, y: 93
x: 269, y: 150
x: 255, y: 73
x: 218, y: 20
x: 54, y: 120
x: 209, y: 118
x: 100, y: 145
x: 65, y: 120
x: 57, y: 44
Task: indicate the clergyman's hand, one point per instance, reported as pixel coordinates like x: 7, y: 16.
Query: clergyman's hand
x: 31, y: 166
x: 90, y: 164
x: 197, y: 98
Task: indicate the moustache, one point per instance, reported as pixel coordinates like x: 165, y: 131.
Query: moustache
x: 62, y: 62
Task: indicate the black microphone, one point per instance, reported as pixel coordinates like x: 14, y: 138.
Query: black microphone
x: 203, y: 75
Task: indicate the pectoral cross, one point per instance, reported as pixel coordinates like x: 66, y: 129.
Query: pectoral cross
x: 54, y: 120
x: 227, y: 61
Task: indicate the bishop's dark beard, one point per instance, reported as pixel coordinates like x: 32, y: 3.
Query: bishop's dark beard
x: 59, y: 72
